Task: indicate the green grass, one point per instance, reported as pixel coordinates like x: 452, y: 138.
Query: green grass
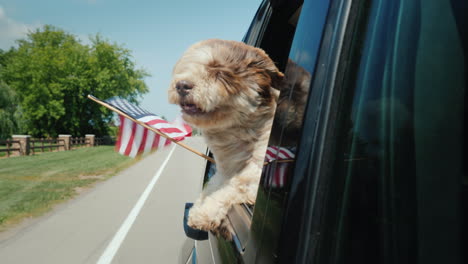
x: 32, y: 185
x: 2, y: 154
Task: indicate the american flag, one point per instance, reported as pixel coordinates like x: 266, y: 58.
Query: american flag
x: 276, y: 176
x: 278, y: 153
x: 135, y: 139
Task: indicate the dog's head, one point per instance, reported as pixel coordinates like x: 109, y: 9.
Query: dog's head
x: 291, y: 105
x: 218, y: 83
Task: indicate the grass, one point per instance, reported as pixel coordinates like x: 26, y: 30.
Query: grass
x: 32, y: 185
x: 2, y: 154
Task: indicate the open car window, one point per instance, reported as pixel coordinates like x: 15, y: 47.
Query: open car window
x: 273, y: 30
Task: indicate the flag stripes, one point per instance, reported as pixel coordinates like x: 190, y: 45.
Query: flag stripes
x: 276, y: 174
x: 134, y: 139
x: 278, y: 153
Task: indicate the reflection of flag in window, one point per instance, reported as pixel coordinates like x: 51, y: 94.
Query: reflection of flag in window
x: 276, y: 174
x: 134, y: 139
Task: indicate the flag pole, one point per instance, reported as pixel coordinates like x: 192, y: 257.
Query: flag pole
x: 150, y: 128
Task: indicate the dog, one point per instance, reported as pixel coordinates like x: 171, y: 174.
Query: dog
x: 291, y: 106
x: 226, y: 89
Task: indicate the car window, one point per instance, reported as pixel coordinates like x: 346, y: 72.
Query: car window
x: 400, y: 186
x: 272, y: 30
x: 286, y: 130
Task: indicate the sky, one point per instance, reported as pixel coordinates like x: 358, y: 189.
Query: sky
x: 156, y: 32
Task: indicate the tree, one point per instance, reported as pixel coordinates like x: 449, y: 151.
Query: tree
x: 52, y: 73
x: 11, y: 120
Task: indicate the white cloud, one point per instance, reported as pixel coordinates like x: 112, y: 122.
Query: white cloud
x: 11, y: 30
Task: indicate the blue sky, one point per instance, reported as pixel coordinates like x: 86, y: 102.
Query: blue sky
x: 157, y: 32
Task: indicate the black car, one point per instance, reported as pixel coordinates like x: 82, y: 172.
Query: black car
x: 369, y: 150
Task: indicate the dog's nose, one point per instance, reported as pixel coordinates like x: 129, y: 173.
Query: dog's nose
x: 183, y: 87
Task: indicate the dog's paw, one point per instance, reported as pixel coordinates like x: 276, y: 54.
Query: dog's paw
x: 222, y: 229
x: 202, y: 222
x: 207, y: 216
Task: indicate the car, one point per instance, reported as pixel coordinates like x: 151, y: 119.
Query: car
x: 367, y: 156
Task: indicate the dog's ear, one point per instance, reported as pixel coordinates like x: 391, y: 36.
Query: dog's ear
x: 262, y: 64
x: 266, y: 74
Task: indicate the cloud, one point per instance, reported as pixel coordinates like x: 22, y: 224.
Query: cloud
x: 11, y: 30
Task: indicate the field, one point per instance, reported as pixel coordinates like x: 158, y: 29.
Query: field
x: 32, y: 185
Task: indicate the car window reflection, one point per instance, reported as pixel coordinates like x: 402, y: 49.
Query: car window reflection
x: 286, y: 126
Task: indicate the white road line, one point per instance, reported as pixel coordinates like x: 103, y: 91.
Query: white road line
x: 114, y: 245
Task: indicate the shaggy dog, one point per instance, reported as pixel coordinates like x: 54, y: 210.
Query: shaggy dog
x: 226, y: 89
x: 291, y: 106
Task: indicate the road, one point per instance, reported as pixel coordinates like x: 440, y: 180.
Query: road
x: 134, y: 217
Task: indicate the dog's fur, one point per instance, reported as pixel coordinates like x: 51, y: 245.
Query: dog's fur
x: 232, y: 100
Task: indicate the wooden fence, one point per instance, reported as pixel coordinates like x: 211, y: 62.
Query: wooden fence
x: 79, y: 142
x: 22, y: 145
x: 7, y: 146
x: 45, y: 144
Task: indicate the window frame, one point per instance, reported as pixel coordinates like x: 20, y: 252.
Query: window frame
x: 263, y: 24
x: 240, y: 216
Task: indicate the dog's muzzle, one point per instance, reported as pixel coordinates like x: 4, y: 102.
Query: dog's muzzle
x: 183, y: 87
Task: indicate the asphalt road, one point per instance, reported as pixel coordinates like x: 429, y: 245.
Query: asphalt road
x: 134, y: 217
